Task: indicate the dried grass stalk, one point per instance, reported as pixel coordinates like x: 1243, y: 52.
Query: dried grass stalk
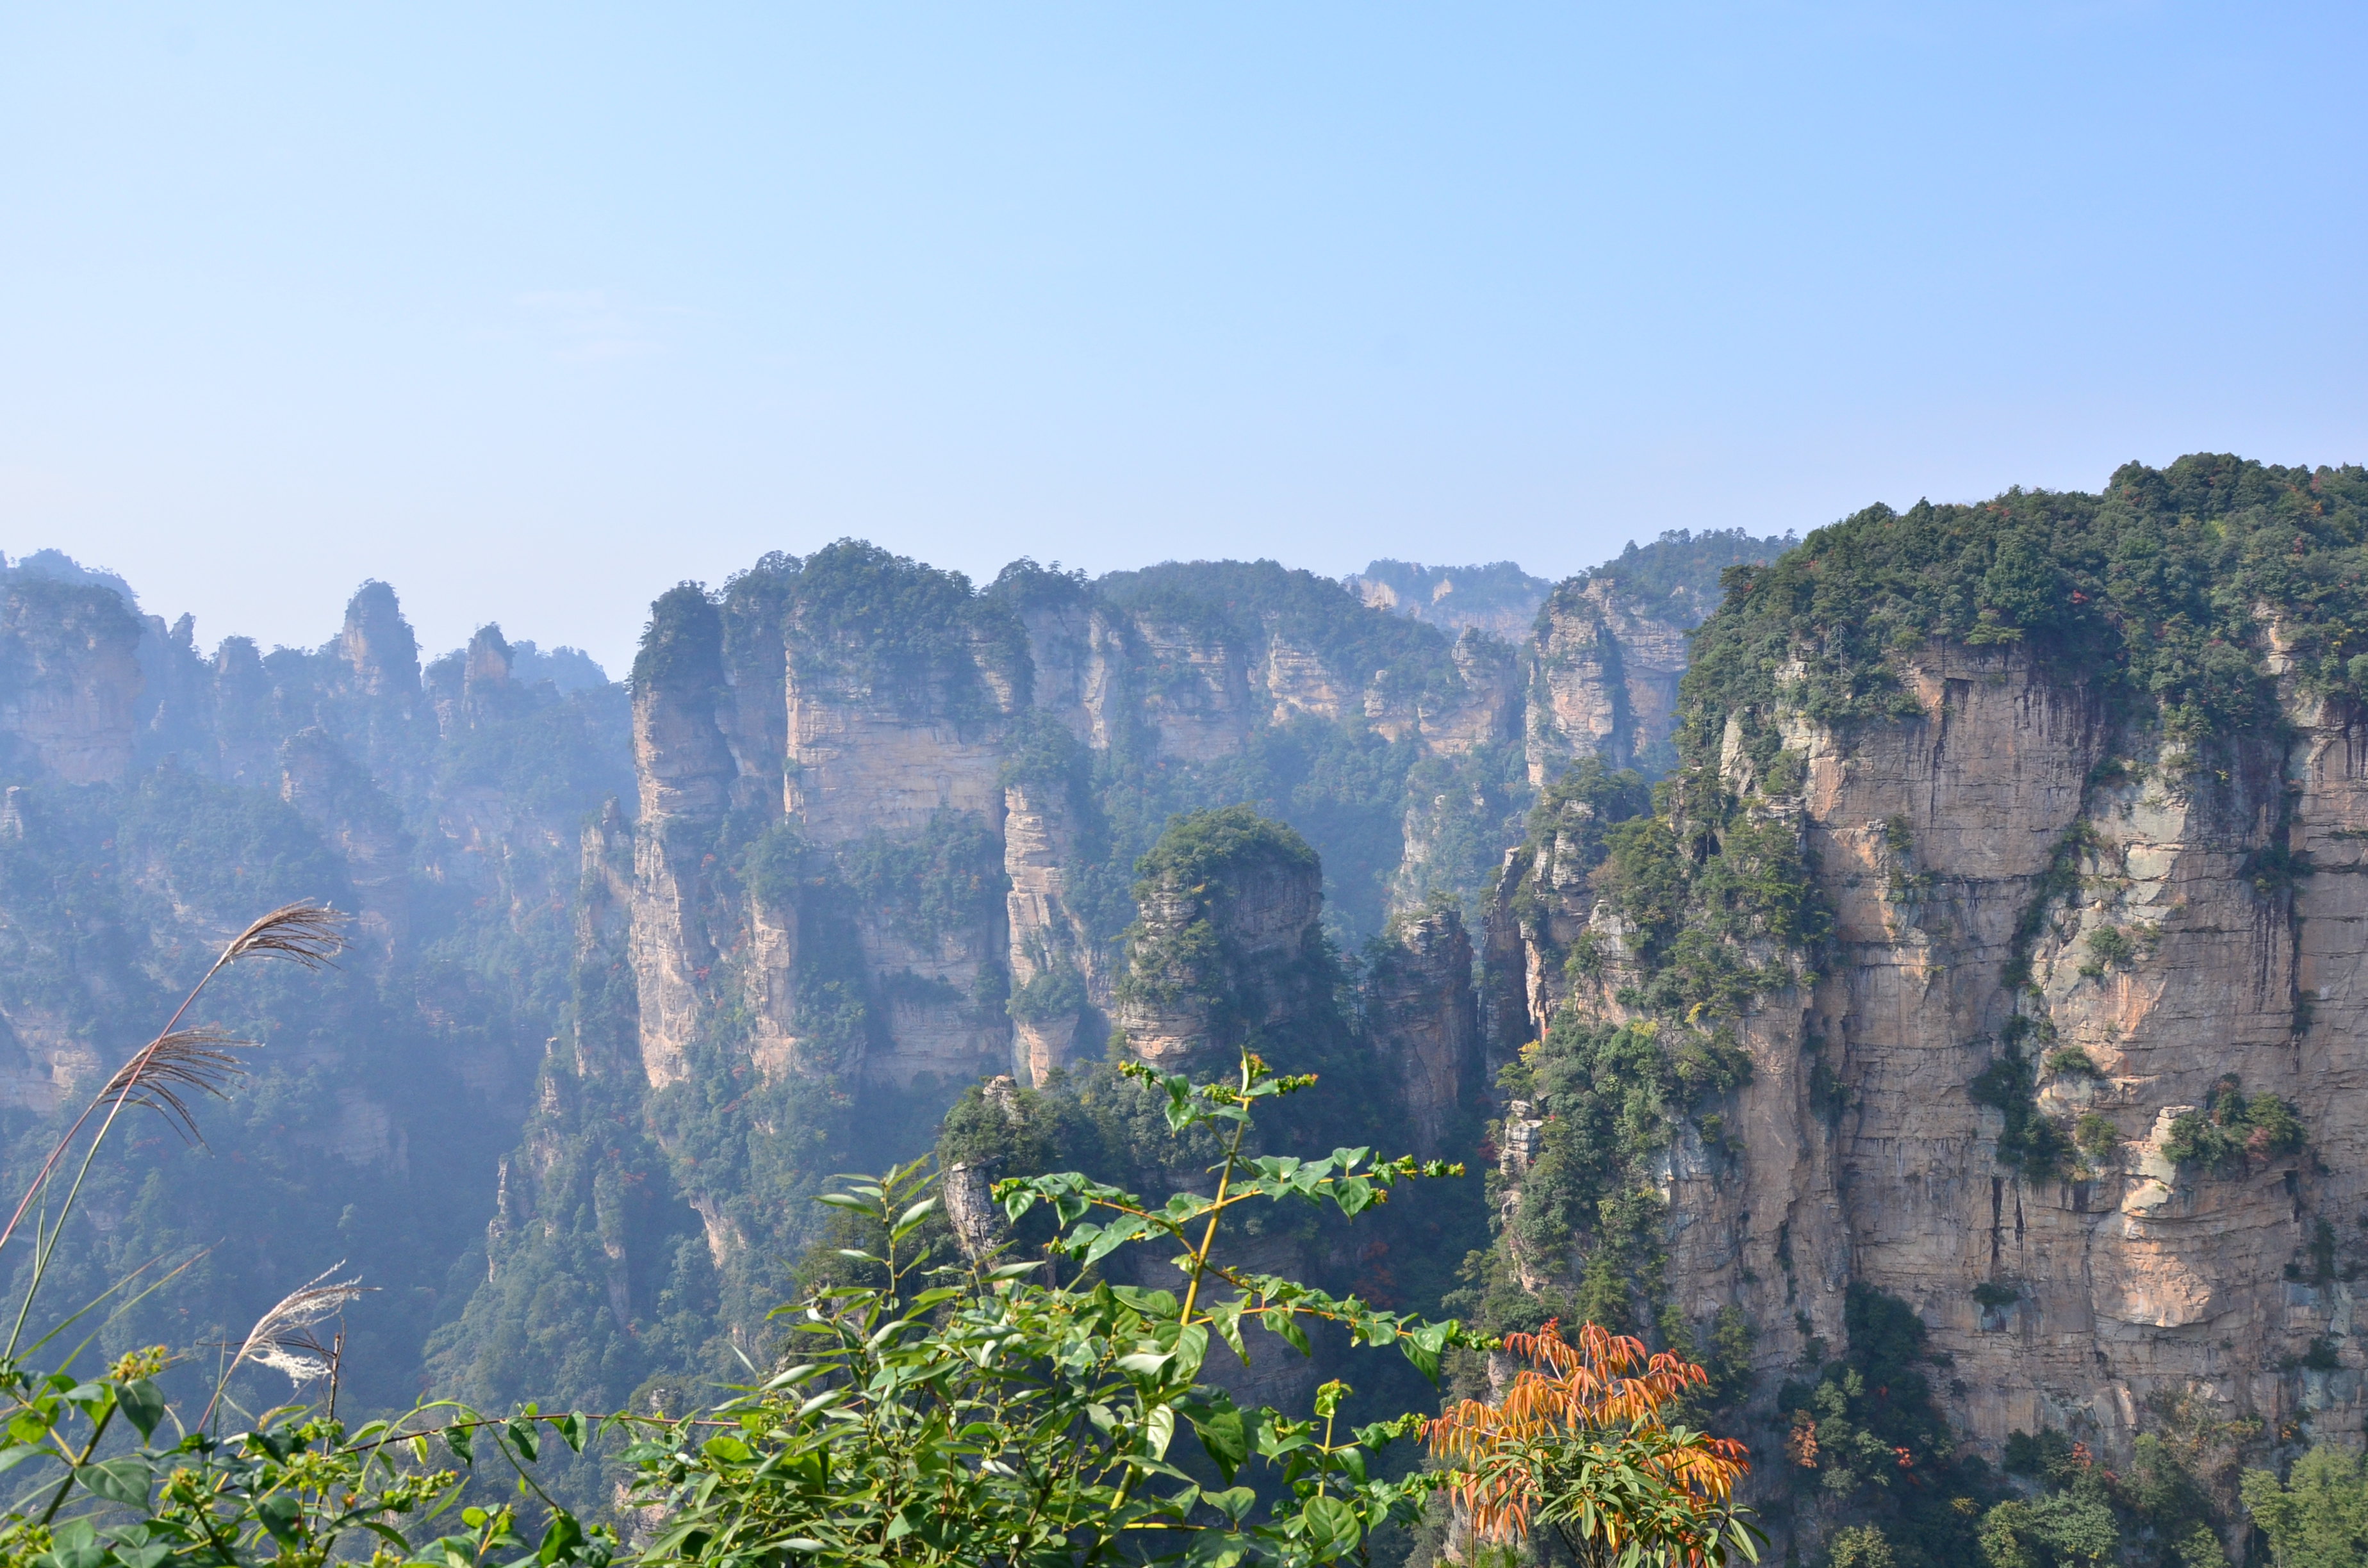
x: 304, y: 933
x: 282, y: 1338
x: 198, y: 1061
x: 162, y: 1073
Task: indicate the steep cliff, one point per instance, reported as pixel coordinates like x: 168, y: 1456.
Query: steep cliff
x: 69, y: 678
x: 1610, y: 645
x: 1977, y: 999
x: 966, y: 779
x: 1229, y: 946
x: 889, y: 832
x: 1423, y: 1018
x: 158, y: 799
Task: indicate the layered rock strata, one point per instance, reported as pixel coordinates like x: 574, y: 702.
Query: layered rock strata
x: 1605, y: 681
x: 1229, y: 947
x: 1993, y: 878
x: 1423, y: 1018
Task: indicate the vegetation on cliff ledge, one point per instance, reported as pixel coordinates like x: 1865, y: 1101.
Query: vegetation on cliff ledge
x: 1712, y: 912
x: 2169, y: 591
x: 1677, y: 577
x: 1238, y: 603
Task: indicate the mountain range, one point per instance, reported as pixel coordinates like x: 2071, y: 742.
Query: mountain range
x: 1909, y: 970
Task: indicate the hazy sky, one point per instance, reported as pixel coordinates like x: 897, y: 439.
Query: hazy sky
x: 534, y: 311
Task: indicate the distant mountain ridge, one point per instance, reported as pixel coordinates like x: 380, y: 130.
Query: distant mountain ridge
x: 1499, y: 598
x: 1674, y: 578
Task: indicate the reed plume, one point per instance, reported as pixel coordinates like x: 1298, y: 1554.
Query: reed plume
x: 176, y: 1063
x: 187, y: 1061
x: 303, y: 932
x: 282, y: 1338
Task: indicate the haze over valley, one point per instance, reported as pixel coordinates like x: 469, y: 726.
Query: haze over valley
x: 1945, y: 921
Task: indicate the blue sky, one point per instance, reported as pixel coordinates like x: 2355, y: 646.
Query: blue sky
x: 534, y: 311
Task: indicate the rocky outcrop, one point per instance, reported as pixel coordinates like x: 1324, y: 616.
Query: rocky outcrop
x: 1059, y: 978
x: 679, y: 754
x: 487, y: 692
x: 1230, y: 940
x: 1985, y: 788
x: 1605, y: 682
x: 70, y: 680
x: 377, y: 644
x: 1487, y: 711
x: 686, y: 770
x: 860, y: 763
x: 1937, y: 838
x: 911, y: 713
x: 1196, y: 688
x: 1424, y: 1021
x: 1079, y: 667
x: 1544, y: 908
x: 977, y: 1221
x: 2000, y: 889
x: 1294, y: 678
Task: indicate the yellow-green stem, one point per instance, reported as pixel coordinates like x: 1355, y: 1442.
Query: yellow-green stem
x: 1192, y: 1290
x: 89, y: 1448
x: 1209, y: 1236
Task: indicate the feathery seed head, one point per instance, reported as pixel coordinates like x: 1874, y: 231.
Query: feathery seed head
x: 305, y: 933
x: 186, y: 1060
x: 282, y: 1337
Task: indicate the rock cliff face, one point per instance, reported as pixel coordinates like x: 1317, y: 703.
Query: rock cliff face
x: 1855, y: 1154
x: 69, y: 680
x: 686, y: 770
x: 2134, y: 1281
x: 1424, y: 1019
x: 2046, y: 1032
x: 1610, y: 644
x: 1605, y: 682
x: 1229, y: 946
x: 1060, y: 977
x: 157, y: 799
x: 927, y: 736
